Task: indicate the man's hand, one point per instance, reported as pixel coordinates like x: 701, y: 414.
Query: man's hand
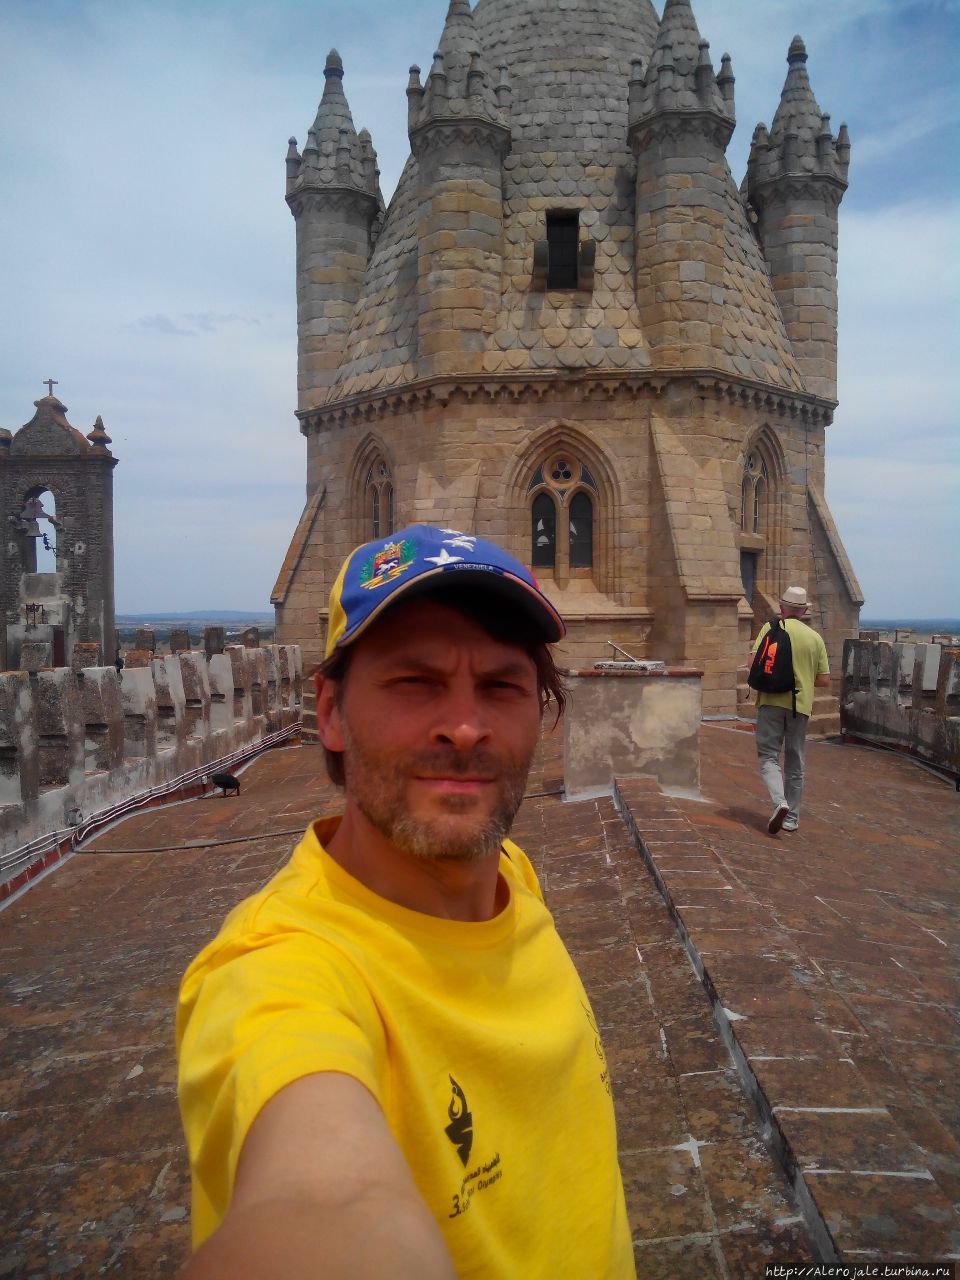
x: 322, y: 1192
x: 822, y: 682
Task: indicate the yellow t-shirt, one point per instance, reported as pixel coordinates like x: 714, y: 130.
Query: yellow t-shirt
x: 476, y: 1039
x: 809, y: 661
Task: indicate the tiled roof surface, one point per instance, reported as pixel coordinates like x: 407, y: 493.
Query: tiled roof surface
x: 568, y: 71
x: 381, y: 347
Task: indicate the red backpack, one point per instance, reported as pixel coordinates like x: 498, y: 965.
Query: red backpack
x: 772, y: 668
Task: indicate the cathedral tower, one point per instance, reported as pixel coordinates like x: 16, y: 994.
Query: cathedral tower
x: 573, y: 333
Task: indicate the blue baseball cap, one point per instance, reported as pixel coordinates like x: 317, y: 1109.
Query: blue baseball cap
x: 423, y: 558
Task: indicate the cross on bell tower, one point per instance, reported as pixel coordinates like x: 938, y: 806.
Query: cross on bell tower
x: 50, y: 383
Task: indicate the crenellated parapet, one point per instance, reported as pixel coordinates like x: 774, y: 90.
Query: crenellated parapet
x: 905, y: 696
x: 78, y: 740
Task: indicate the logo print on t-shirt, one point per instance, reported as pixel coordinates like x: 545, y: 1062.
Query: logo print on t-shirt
x: 460, y: 1128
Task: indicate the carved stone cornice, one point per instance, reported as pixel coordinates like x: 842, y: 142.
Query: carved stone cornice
x: 672, y: 124
x: 319, y: 198
x: 462, y: 135
x: 585, y: 386
x: 791, y: 187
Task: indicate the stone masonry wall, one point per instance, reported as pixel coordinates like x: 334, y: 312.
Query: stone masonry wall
x: 667, y: 457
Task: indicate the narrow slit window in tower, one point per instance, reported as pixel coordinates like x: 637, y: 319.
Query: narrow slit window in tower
x: 563, y: 234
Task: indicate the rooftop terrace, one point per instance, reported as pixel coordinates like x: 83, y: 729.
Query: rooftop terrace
x: 781, y: 1015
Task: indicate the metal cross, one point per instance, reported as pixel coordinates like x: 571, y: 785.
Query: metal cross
x: 51, y: 383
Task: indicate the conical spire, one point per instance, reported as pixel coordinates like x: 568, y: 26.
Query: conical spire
x: 680, y: 75
x: 460, y: 83
x: 798, y: 113
x: 334, y: 155
x: 800, y: 141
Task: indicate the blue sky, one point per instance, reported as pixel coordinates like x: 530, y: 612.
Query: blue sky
x: 146, y: 259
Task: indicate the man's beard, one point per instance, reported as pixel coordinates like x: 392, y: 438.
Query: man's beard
x: 377, y: 786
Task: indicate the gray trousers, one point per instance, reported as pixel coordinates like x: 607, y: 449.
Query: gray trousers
x: 777, y: 729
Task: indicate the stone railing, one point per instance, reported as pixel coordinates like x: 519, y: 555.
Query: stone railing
x: 905, y: 696
x: 630, y: 723
x: 76, y: 741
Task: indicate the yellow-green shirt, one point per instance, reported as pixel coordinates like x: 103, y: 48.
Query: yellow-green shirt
x: 476, y: 1039
x: 809, y: 661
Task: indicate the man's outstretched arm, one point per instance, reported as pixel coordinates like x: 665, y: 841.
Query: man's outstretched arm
x: 322, y: 1192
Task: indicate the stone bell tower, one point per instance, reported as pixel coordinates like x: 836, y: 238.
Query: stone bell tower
x: 75, y: 602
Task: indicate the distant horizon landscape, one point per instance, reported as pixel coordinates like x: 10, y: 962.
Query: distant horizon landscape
x: 917, y: 624
x: 260, y: 615
x: 198, y: 615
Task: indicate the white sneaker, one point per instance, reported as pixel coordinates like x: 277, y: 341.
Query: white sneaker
x: 790, y: 824
x: 777, y: 818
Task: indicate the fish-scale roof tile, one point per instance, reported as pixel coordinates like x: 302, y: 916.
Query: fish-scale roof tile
x: 568, y: 74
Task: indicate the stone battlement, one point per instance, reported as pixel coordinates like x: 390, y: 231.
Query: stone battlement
x: 75, y: 741
x: 904, y: 695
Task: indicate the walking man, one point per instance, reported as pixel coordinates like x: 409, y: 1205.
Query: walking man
x: 388, y: 1065
x: 781, y: 724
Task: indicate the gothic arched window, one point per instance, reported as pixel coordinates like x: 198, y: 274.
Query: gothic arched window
x: 378, y: 499
x: 562, y: 487
x: 753, y: 493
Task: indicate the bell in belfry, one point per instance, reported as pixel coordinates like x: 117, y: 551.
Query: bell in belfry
x: 32, y: 512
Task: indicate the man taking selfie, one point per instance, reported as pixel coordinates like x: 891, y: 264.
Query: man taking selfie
x: 388, y: 1064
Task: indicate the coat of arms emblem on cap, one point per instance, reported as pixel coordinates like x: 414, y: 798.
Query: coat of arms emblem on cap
x: 387, y: 564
